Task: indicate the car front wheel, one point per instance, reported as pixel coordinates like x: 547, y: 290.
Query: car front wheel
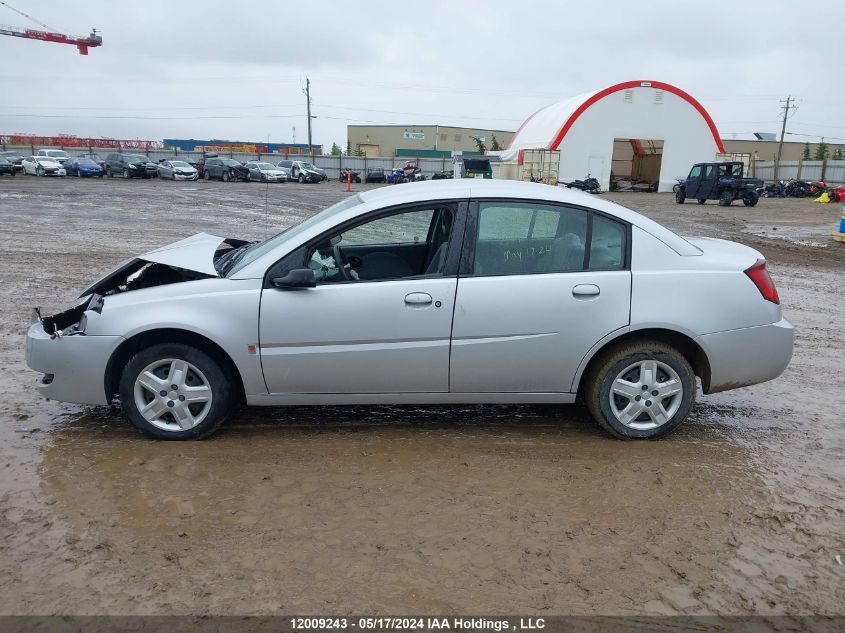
x: 680, y: 196
x: 726, y: 198
x: 640, y: 390
x: 173, y: 391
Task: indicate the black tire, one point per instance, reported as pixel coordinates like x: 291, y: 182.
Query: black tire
x: 205, y: 176
x: 302, y: 179
x: 701, y: 200
x: 126, y: 173
x: 100, y: 176
x: 726, y: 198
x: 109, y: 172
x: 680, y: 195
x: 221, y: 390
x: 225, y: 177
x: 614, y: 362
x: 750, y: 199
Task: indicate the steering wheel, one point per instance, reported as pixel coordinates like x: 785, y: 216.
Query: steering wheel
x: 341, y: 261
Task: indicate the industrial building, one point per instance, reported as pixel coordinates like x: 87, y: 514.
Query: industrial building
x: 423, y: 141
x: 253, y: 147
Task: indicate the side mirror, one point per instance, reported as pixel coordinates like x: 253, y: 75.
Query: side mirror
x: 296, y: 278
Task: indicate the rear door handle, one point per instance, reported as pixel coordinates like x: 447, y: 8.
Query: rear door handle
x: 418, y: 299
x: 585, y: 291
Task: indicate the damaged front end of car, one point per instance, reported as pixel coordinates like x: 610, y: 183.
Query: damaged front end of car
x: 190, y: 259
x: 60, y: 346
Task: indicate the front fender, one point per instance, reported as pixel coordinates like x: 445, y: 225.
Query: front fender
x: 222, y: 310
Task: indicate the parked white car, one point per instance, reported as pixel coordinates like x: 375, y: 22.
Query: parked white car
x: 41, y: 166
x: 450, y: 291
x: 58, y: 155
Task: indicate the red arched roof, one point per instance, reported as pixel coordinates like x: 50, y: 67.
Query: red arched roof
x: 658, y: 85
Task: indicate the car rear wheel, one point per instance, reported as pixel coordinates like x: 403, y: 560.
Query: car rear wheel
x: 726, y: 198
x: 225, y: 176
x: 173, y: 391
x: 680, y: 196
x: 126, y: 173
x: 750, y: 199
x: 640, y: 390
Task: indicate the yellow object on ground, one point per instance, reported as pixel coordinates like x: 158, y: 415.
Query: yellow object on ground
x: 823, y: 198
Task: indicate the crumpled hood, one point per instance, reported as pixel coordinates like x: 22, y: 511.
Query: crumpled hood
x: 195, y: 253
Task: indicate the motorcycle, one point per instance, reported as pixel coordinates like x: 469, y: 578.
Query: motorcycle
x: 347, y: 173
x: 588, y: 184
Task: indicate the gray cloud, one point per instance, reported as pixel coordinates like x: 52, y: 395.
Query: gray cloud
x: 173, y: 66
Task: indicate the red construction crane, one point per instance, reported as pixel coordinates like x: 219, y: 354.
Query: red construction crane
x: 82, y: 43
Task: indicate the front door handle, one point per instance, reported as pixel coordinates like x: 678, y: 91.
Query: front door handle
x: 418, y: 299
x: 585, y: 291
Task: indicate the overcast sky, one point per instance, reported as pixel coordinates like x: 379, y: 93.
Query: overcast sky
x: 235, y: 70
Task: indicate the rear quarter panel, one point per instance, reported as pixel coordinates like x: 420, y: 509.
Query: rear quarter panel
x: 695, y: 295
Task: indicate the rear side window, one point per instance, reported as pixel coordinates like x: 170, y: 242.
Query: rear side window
x: 607, y: 244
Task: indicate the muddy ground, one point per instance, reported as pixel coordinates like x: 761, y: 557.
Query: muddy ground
x: 527, y: 509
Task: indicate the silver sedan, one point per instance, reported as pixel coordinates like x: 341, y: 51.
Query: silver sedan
x: 177, y: 170
x: 463, y: 291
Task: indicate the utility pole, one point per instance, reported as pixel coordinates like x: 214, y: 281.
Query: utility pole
x: 307, y: 92
x: 789, y: 103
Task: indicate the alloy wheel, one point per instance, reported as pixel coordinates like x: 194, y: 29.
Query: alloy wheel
x: 172, y: 394
x: 646, y: 394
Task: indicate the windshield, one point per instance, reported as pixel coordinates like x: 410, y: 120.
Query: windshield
x: 307, y: 166
x: 43, y: 159
x: 85, y: 161
x: 179, y: 163
x: 58, y: 153
x: 3, y: 160
x: 264, y: 166
x: 231, y: 163
x: 137, y: 158
x: 255, y: 251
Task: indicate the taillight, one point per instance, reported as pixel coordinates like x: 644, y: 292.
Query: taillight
x: 763, y: 280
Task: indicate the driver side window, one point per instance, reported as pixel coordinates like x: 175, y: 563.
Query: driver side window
x: 401, y: 245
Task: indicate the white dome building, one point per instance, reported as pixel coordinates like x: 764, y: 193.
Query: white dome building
x: 641, y: 129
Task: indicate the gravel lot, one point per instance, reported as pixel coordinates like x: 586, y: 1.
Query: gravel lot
x: 526, y: 509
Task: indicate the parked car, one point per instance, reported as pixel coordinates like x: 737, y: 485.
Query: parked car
x: 375, y: 175
x: 14, y: 157
x: 443, y: 174
x: 83, y: 167
x: 551, y: 294
x: 42, y: 166
x: 177, y: 170
x: 266, y: 172
x: 225, y: 169
x: 58, y: 155
x: 303, y: 171
x: 96, y: 158
x: 130, y: 166
x: 719, y: 181
x: 6, y: 167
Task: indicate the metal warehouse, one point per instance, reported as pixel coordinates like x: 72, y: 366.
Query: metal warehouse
x: 632, y: 129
